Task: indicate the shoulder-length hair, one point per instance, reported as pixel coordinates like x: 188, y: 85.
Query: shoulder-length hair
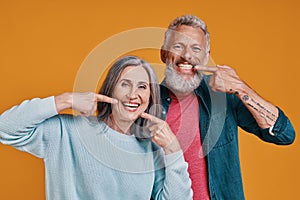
x: 109, y: 84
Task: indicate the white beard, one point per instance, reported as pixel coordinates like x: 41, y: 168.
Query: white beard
x: 177, y: 84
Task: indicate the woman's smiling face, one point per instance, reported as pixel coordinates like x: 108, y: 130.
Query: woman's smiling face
x: 133, y: 93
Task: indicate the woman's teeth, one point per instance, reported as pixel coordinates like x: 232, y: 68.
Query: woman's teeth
x: 131, y: 105
x: 185, y: 66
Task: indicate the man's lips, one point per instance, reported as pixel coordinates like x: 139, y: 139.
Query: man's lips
x: 185, y: 66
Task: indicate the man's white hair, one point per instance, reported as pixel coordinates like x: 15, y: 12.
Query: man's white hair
x: 188, y: 20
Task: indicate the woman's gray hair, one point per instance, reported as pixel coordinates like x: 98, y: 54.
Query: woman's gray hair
x: 110, y: 82
x: 188, y: 20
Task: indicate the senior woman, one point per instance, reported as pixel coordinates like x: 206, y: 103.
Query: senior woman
x: 124, y: 152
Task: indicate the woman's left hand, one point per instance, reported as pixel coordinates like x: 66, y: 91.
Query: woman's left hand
x: 162, y: 134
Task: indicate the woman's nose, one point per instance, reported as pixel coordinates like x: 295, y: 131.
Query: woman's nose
x: 132, y: 93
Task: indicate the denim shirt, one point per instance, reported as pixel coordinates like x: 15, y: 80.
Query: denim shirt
x: 220, y: 116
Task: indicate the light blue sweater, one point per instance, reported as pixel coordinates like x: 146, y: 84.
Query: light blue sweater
x: 85, y: 159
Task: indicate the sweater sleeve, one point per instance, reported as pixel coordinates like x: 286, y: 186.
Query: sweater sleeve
x: 171, y: 178
x: 23, y: 126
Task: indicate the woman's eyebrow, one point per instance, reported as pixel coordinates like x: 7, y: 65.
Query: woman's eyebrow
x: 139, y: 82
x: 126, y: 80
x: 143, y: 82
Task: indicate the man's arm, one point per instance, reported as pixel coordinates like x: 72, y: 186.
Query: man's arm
x: 225, y: 79
x: 264, y: 112
x: 274, y: 126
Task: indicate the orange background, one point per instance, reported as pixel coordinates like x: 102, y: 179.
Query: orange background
x: 43, y: 44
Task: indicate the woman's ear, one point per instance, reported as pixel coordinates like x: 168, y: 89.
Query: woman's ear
x: 163, y: 55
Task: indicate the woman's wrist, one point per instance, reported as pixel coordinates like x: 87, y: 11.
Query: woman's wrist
x: 173, y: 147
x: 63, y: 101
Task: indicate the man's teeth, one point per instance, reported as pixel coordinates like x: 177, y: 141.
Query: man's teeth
x: 131, y: 105
x: 185, y: 66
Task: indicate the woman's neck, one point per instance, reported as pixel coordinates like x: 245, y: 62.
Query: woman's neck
x: 118, y: 125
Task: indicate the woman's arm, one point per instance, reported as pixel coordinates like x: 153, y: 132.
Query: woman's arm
x: 29, y: 125
x: 171, y: 175
x: 21, y: 126
x: 171, y: 178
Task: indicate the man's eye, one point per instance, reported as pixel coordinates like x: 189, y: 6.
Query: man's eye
x: 177, y: 47
x: 197, y: 49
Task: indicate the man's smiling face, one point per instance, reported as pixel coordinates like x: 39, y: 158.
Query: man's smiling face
x: 185, y: 48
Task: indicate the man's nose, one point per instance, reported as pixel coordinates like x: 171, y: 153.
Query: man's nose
x: 187, y: 54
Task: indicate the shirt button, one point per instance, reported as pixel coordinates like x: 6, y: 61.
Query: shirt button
x: 164, y: 112
x: 168, y: 99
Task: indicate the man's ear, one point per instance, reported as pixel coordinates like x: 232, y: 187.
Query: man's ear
x: 163, y: 55
x: 206, y: 59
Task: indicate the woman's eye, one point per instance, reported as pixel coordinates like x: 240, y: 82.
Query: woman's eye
x: 124, y: 84
x: 143, y: 87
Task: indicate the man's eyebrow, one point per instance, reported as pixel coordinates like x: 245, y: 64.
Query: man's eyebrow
x: 198, y: 45
x: 178, y: 42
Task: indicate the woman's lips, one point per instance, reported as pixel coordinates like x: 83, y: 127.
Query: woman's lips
x: 131, y: 107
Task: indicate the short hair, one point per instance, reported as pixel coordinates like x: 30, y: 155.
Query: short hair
x: 188, y: 20
x: 109, y: 84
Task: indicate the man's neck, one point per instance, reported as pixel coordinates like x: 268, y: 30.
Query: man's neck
x: 181, y: 96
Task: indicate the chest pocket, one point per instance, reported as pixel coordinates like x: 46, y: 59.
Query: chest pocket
x: 220, y: 131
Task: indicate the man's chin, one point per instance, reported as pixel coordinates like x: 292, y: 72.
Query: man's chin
x: 187, y: 77
x: 181, y: 84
